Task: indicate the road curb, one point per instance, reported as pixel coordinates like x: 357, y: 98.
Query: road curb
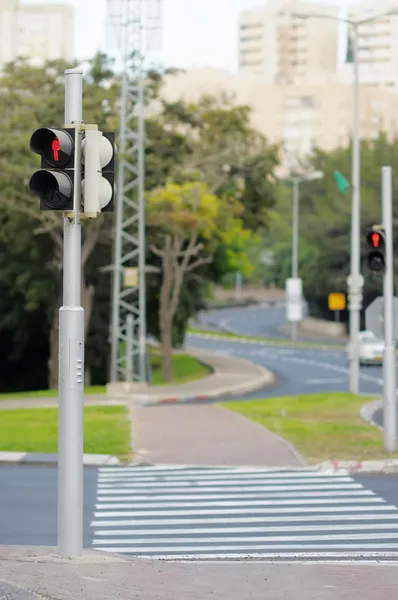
x: 257, y: 378
x: 367, y: 466
x: 276, y: 344
x: 265, y: 380
x: 368, y: 410
x: 33, y: 458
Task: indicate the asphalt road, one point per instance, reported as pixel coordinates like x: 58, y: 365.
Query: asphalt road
x: 28, y: 505
x: 264, y: 320
x: 210, y: 513
x: 298, y: 370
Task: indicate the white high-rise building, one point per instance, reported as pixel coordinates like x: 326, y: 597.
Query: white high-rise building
x: 287, y: 50
x: 377, y: 46
x: 38, y: 32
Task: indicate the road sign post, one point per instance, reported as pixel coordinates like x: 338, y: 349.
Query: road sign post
x: 294, y: 303
x: 336, y: 303
x: 390, y: 399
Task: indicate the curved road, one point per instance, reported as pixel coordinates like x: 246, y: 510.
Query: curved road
x: 298, y: 370
x: 263, y: 320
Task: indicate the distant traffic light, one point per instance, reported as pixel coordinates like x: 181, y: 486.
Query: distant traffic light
x: 98, y: 185
x: 54, y: 182
x: 375, y: 238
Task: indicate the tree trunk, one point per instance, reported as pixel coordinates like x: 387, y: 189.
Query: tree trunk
x: 167, y: 348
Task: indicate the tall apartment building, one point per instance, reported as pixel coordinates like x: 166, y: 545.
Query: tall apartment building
x: 284, y: 49
x: 38, y: 32
x: 377, y: 46
x: 298, y: 117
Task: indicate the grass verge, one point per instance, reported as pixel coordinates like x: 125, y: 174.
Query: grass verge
x: 325, y: 426
x: 106, y: 430
x: 185, y: 368
x: 279, y: 341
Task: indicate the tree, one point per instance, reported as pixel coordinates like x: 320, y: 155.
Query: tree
x: 325, y: 223
x: 187, y: 222
x: 229, y: 154
x: 33, y: 97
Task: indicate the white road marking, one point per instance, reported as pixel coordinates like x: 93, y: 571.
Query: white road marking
x: 130, y: 487
x: 230, y: 504
x: 292, y: 556
x: 221, y: 476
x: 144, y: 537
x: 200, y: 514
x: 323, y: 381
x: 119, y: 497
x: 260, y: 528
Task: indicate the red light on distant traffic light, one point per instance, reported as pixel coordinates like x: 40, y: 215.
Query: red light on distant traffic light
x: 375, y: 240
x: 56, y: 147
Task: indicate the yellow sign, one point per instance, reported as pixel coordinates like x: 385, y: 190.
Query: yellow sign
x: 130, y: 277
x: 336, y: 301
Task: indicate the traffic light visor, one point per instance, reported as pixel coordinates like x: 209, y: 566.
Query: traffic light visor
x: 53, y: 187
x: 54, y: 145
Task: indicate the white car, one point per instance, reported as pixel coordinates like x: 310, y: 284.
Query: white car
x: 371, y: 349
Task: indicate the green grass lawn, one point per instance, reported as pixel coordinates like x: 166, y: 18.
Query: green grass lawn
x: 185, y: 368
x: 106, y: 430
x: 283, y: 342
x: 321, y: 426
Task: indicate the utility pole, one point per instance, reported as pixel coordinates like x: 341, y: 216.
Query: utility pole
x: 71, y: 351
x: 295, y: 241
x: 390, y: 397
x: 355, y: 279
x: 132, y: 21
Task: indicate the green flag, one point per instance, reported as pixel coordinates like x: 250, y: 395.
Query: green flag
x: 342, y: 182
x: 349, y: 57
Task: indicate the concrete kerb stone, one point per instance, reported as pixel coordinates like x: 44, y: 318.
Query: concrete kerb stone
x: 264, y: 378
x: 269, y: 343
x: 368, y: 410
x: 33, y: 458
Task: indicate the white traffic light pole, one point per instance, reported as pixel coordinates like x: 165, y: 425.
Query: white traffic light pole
x: 71, y: 353
x: 390, y: 400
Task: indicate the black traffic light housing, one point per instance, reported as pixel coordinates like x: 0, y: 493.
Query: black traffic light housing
x: 375, y: 238
x: 54, y: 182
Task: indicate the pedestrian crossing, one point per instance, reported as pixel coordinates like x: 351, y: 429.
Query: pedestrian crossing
x: 179, y: 513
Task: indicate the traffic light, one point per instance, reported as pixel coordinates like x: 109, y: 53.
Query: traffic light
x: 98, y: 157
x: 54, y: 182
x: 375, y: 238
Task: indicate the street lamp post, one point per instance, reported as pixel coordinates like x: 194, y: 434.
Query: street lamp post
x: 296, y: 180
x: 355, y: 280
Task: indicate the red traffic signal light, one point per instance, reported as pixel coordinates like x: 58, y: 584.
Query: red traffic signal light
x: 375, y: 239
x: 376, y: 258
x: 53, y: 184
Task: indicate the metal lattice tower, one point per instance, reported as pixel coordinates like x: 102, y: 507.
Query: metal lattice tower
x: 136, y: 26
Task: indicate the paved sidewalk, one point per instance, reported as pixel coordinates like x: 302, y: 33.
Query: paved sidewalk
x: 207, y: 435
x: 31, y: 574
x: 230, y: 376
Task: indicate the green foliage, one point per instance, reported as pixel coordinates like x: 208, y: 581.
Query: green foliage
x: 182, y: 139
x: 325, y: 223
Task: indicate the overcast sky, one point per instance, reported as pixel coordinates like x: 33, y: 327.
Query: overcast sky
x: 195, y: 32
